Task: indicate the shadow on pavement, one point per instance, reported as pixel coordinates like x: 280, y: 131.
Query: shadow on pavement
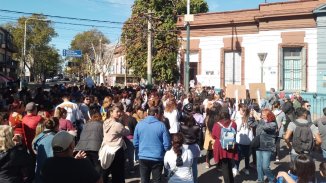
x: 211, y: 175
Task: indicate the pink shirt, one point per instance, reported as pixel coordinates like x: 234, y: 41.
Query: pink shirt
x: 65, y: 125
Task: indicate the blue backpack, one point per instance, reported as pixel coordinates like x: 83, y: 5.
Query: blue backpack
x: 227, y: 137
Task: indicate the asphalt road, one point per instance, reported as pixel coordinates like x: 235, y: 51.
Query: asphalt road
x: 214, y: 174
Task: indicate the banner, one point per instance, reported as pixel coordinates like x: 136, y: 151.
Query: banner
x: 257, y: 89
x: 233, y: 90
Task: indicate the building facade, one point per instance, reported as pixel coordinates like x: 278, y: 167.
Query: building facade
x: 8, y: 66
x: 224, y: 46
x: 119, y: 73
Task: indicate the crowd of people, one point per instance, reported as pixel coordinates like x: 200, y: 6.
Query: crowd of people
x: 89, y: 134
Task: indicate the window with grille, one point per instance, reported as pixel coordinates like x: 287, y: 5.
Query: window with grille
x: 2, y: 57
x: 293, y: 68
x: 232, y: 67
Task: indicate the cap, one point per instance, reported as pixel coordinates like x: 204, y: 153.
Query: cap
x: 30, y: 106
x: 61, y: 141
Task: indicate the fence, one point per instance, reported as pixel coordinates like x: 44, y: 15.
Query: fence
x: 317, y: 102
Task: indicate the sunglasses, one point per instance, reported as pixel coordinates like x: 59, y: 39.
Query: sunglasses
x: 308, y: 105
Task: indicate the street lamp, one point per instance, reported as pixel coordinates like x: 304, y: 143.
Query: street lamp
x: 262, y: 58
x: 24, y: 45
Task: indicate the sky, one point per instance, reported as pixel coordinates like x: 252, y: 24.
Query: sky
x: 115, y: 12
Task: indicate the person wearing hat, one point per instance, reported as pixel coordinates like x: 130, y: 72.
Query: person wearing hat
x: 64, y: 167
x: 30, y: 122
x: 190, y: 132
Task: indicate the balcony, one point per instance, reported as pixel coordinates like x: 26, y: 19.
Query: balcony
x: 9, y: 47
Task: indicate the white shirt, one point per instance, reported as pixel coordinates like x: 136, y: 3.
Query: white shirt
x: 73, y: 112
x: 182, y: 174
x: 244, y: 132
x: 174, y: 123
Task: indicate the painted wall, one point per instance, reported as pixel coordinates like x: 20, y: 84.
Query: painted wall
x: 265, y: 41
x: 321, y: 64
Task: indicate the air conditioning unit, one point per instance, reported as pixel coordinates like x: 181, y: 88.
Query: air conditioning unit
x: 3, y: 45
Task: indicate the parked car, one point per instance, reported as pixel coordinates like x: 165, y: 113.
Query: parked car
x: 48, y: 80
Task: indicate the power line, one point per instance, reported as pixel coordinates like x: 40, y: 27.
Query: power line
x: 63, y: 17
x: 67, y: 23
x: 108, y: 2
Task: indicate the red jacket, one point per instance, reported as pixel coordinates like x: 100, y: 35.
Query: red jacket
x: 220, y: 153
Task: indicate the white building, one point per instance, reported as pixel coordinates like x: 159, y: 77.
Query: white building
x: 225, y: 46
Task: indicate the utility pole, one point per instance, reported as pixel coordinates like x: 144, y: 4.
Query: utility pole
x: 188, y: 19
x: 149, y: 48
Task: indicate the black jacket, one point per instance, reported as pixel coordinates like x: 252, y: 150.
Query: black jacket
x: 16, y: 165
x: 190, y: 134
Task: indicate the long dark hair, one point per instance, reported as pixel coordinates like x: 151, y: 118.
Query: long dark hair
x: 188, y: 119
x: 212, y: 115
x: 304, y: 168
x: 177, y: 141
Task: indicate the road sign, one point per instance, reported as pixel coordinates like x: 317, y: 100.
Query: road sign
x: 72, y: 53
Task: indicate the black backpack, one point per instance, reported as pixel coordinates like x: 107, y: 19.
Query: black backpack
x: 303, y: 140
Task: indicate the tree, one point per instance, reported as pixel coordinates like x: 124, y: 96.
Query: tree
x: 165, y: 35
x: 39, y: 33
x: 92, y: 43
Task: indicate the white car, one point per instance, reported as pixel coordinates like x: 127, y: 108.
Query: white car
x: 48, y: 80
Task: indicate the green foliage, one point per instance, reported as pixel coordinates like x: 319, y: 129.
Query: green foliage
x: 39, y: 33
x: 85, y: 42
x: 165, y: 36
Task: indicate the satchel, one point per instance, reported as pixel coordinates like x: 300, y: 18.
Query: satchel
x: 255, y: 143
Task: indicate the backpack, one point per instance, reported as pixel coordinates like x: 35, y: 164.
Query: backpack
x: 303, y: 140
x: 227, y: 137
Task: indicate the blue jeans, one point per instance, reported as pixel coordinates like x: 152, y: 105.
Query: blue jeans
x: 195, y: 169
x: 263, y: 162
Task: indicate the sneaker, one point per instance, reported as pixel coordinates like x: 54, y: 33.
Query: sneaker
x: 235, y: 172
x: 246, y: 171
x: 277, y: 160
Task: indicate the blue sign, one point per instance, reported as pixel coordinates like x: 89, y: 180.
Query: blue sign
x: 72, y: 53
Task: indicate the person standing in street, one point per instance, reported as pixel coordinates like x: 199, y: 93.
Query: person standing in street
x: 152, y: 140
x: 307, y: 106
x: 114, y: 133
x: 321, y: 124
x: 224, y: 155
x: 30, y: 122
